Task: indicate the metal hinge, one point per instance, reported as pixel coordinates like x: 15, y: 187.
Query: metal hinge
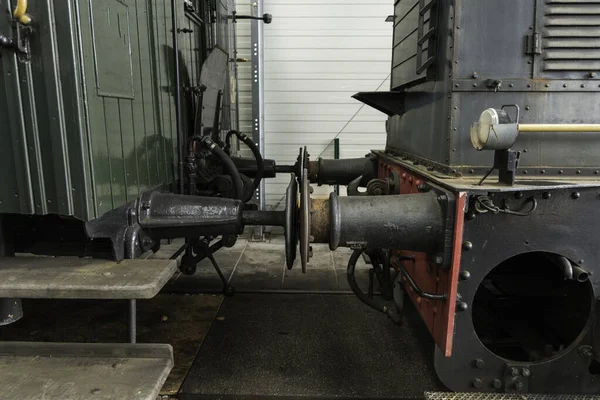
x: 533, y: 44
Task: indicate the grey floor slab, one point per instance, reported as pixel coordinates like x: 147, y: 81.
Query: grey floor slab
x: 310, y: 346
x: 83, y: 278
x: 260, y: 268
x: 75, y: 371
x: 320, y: 274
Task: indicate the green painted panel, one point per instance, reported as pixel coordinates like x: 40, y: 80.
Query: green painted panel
x: 51, y: 114
x: 95, y: 109
x: 114, y: 140
x: 10, y: 193
x: 128, y: 141
x: 36, y: 167
x: 162, y: 88
x: 143, y: 106
x: 111, y: 37
x: 91, y: 118
x: 170, y: 132
x: 70, y: 69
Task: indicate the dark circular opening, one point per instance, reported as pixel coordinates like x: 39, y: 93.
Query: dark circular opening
x: 526, y: 310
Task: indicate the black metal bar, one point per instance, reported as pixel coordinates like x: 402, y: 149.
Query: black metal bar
x: 269, y: 218
x: 266, y: 18
x: 132, y: 320
x: 248, y: 17
x: 132, y: 242
x: 285, y: 169
x: 228, y: 290
x: 180, y: 140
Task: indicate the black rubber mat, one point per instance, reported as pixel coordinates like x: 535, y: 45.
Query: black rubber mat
x: 310, y: 346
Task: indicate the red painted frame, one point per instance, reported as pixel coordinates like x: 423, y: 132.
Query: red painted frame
x: 437, y: 315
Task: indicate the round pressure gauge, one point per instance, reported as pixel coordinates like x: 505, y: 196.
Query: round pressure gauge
x: 494, y: 131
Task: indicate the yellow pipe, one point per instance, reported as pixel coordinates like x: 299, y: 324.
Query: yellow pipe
x: 20, y: 12
x: 559, y: 128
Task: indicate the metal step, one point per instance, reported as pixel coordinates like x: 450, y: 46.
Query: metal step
x: 74, y: 371
x: 83, y: 278
x: 505, y: 396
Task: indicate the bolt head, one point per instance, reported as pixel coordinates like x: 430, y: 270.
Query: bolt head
x: 586, y: 351
x: 467, y: 246
x: 575, y: 195
x: 514, y: 371
x: 519, y: 386
x: 462, y: 306
x: 497, y: 384
x: 465, y: 275
x: 526, y: 372
x: 479, y: 363
x: 477, y: 383
x: 546, y: 195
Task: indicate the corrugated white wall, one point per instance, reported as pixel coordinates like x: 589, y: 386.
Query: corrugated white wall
x: 318, y: 53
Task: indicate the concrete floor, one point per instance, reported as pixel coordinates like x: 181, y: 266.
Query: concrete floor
x: 260, y: 267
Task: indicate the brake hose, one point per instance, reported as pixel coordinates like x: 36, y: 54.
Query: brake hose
x: 214, y: 148
x: 260, y: 165
x: 379, y: 306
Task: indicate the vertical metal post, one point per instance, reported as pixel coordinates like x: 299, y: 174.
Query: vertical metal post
x: 132, y: 238
x: 132, y: 322
x: 258, y: 100
x: 177, y: 93
x: 336, y: 156
x: 235, y: 67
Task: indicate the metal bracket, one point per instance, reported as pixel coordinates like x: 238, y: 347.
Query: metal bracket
x: 19, y: 43
x: 533, y: 44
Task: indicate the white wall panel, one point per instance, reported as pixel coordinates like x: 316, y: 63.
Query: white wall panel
x: 318, y: 53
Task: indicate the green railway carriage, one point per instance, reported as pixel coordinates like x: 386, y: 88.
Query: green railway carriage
x: 87, y: 104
